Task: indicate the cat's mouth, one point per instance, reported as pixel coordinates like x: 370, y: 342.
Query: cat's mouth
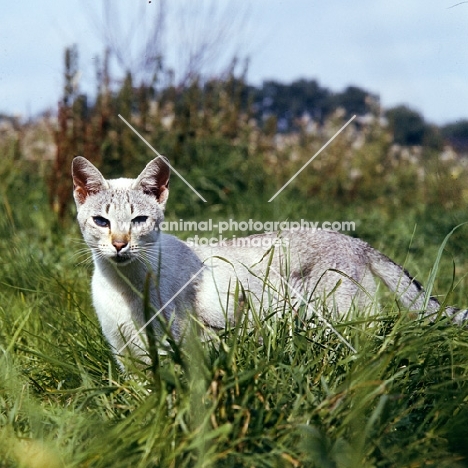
x: 121, y: 259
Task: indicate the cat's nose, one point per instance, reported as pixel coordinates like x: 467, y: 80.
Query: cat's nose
x: 119, y: 245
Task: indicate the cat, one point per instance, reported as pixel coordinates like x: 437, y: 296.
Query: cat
x: 133, y: 260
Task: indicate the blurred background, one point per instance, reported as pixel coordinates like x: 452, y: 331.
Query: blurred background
x: 239, y: 96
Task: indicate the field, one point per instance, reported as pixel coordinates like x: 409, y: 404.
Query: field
x: 279, y: 393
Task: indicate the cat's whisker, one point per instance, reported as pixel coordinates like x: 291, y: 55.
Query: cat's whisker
x: 81, y: 252
x: 86, y: 262
x: 149, y: 257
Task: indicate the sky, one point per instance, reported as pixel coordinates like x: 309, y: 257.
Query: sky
x: 408, y: 52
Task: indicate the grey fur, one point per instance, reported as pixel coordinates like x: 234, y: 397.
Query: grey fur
x: 329, y: 270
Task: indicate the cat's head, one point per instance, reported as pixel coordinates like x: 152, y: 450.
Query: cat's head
x: 119, y: 218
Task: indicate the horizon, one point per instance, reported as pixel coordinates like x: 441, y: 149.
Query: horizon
x: 406, y: 54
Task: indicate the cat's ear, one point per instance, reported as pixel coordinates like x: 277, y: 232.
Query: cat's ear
x: 87, y: 180
x: 154, y: 179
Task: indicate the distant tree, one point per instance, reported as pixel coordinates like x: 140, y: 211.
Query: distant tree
x: 456, y: 134
x: 408, y: 126
x: 288, y: 102
x: 354, y: 100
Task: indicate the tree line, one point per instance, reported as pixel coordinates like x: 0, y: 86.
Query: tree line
x: 222, y: 130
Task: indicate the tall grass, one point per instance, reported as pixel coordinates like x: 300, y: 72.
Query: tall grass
x: 279, y: 393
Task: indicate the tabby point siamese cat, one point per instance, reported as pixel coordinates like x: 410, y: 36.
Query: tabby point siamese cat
x: 134, y: 261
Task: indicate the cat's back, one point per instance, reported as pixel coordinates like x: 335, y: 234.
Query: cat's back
x: 303, y: 253
x: 310, y: 244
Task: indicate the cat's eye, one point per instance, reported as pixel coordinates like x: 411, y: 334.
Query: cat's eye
x: 101, y: 222
x: 139, y: 219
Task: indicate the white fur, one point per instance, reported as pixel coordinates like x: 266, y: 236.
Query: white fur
x: 327, y: 270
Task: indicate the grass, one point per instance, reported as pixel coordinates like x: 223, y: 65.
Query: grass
x: 283, y: 394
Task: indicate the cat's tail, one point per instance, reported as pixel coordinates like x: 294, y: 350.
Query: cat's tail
x: 408, y: 291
